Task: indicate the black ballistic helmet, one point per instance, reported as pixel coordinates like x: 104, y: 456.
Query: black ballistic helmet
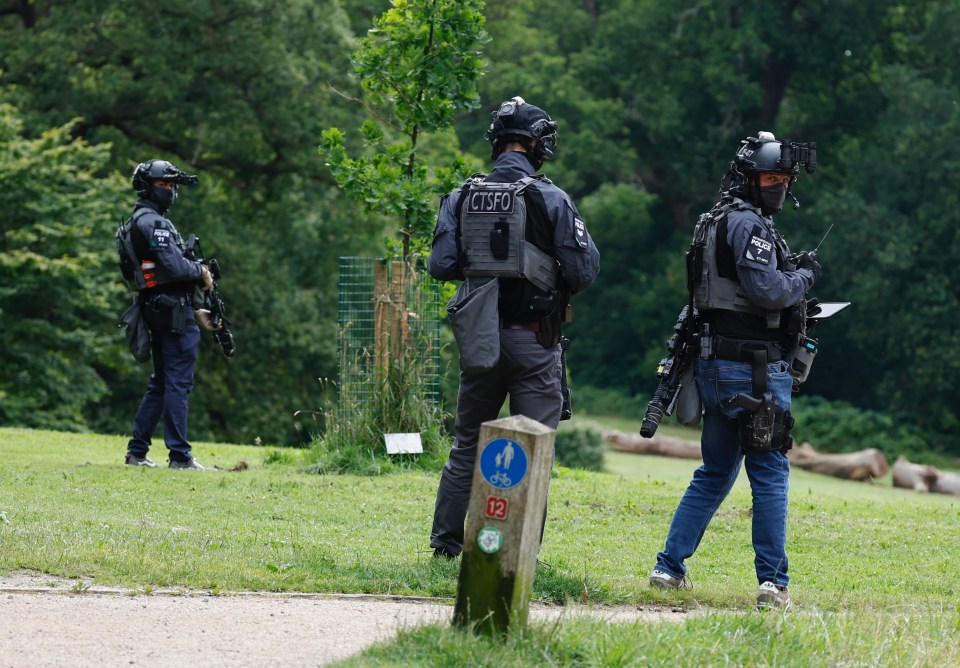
x: 517, y: 121
x: 151, y: 170
x: 755, y: 155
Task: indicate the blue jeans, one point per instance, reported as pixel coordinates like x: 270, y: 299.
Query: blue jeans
x: 769, y: 473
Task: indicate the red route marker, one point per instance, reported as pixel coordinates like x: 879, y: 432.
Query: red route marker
x: 497, y: 508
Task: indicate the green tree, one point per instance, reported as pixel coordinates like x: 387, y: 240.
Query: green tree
x: 418, y: 68
x: 58, y: 316
x: 236, y: 92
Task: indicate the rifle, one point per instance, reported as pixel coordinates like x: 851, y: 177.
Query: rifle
x: 211, y: 300
x: 669, y: 371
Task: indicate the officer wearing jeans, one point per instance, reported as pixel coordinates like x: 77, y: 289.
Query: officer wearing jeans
x: 756, y: 290
x: 166, y: 278
x: 529, y: 367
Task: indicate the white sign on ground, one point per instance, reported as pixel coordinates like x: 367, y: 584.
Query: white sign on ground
x: 403, y: 444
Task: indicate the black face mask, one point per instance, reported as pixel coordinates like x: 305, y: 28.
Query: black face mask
x: 772, y: 198
x: 163, y: 197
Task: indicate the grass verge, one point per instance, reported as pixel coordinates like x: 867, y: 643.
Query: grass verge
x: 874, y: 568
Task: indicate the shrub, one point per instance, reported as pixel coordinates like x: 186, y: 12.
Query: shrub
x: 837, y: 426
x: 601, y: 401
x: 580, y: 448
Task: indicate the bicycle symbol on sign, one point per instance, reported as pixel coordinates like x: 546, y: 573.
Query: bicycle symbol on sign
x: 501, y: 479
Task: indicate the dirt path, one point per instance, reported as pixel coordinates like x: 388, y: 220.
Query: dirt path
x: 47, y: 621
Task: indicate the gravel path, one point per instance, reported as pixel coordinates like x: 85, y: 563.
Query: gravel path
x: 48, y: 621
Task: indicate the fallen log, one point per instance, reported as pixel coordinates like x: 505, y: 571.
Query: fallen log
x: 862, y: 465
x: 946, y: 483
x: 667, y: 446
x: 924, y: 478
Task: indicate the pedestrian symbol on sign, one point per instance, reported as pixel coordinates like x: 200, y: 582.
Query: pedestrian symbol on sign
x: 503, y: 463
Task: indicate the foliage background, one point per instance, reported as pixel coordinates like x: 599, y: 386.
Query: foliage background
x: 652, y: 99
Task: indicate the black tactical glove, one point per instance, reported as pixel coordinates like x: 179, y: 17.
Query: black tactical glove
x: 805, y: 261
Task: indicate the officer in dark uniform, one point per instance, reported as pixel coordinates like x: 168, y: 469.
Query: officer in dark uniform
x: 167, y: 278
x: 748, y: 291
x: 529, y: 367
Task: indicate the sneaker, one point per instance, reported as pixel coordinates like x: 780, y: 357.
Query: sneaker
x: 132, y: 460
x: 661, y: 580
x: 771, y: 595
x: 191, y: 464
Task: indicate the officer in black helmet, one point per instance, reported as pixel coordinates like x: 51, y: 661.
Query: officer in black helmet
x: 165, y: 278
x: 749, y: 293
x: 480, y: 227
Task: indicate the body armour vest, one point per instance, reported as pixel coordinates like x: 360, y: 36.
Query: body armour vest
x: 493, y: 221
x: 708, y: 289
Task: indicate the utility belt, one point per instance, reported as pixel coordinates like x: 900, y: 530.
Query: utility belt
x: 516, y: 324
x: 741, y: 350
x: 177, y: 304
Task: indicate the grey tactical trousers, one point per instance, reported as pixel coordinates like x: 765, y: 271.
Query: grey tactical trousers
x: 530, y: 375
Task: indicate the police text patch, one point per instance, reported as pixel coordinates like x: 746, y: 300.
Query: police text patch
x: 580, y: 233
x: 759, y: 249
x: 161, y: 238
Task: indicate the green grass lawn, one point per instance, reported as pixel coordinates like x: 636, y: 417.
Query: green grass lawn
x: 875, y: 570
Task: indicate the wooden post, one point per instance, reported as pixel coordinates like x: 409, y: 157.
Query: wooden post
x: 391, y: 329
x: 504, y: 524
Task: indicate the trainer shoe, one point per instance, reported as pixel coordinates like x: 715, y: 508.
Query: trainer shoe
x: 443, y: 553
x: 132, y: 460
x: 661, y: 580
x: 771, y: 595
x: 191, y: 464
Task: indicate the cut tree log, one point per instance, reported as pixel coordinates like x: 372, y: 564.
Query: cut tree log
x: 668, y: 446
x: 924, y: 478
x: 917, y: 477
x: 862, y: 465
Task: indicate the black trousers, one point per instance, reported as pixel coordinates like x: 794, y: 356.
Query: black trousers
x: 530, y: 375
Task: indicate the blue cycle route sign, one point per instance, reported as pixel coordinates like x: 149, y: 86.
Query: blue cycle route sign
x: 503, y: 463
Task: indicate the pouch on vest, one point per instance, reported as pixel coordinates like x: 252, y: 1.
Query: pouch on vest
x: 493, y: 222
x: 138, y: 333
x: 689, y: 408
x: 475, y: 319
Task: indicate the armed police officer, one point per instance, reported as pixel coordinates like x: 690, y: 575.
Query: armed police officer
x: 748, y: 291
x: 483, y: 230
x: 165, y: 276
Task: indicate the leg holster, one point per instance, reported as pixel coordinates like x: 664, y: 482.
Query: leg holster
x: 763, y: 426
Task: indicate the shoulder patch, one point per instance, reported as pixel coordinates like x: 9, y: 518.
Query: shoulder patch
x: 580, y: 233
x: 759, y: 248
x: 161, y: 238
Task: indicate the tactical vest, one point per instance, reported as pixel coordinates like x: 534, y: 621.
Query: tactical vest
x: 709, y: 290
x: 493, y: 221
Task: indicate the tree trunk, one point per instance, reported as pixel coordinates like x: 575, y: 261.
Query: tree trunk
x: 667, y: 446
x: 862, y: 465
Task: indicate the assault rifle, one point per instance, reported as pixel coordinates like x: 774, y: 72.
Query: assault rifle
x: 211, y: 300
x: 669, y: 370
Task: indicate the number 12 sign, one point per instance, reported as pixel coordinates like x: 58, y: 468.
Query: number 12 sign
x: 497, y: 507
